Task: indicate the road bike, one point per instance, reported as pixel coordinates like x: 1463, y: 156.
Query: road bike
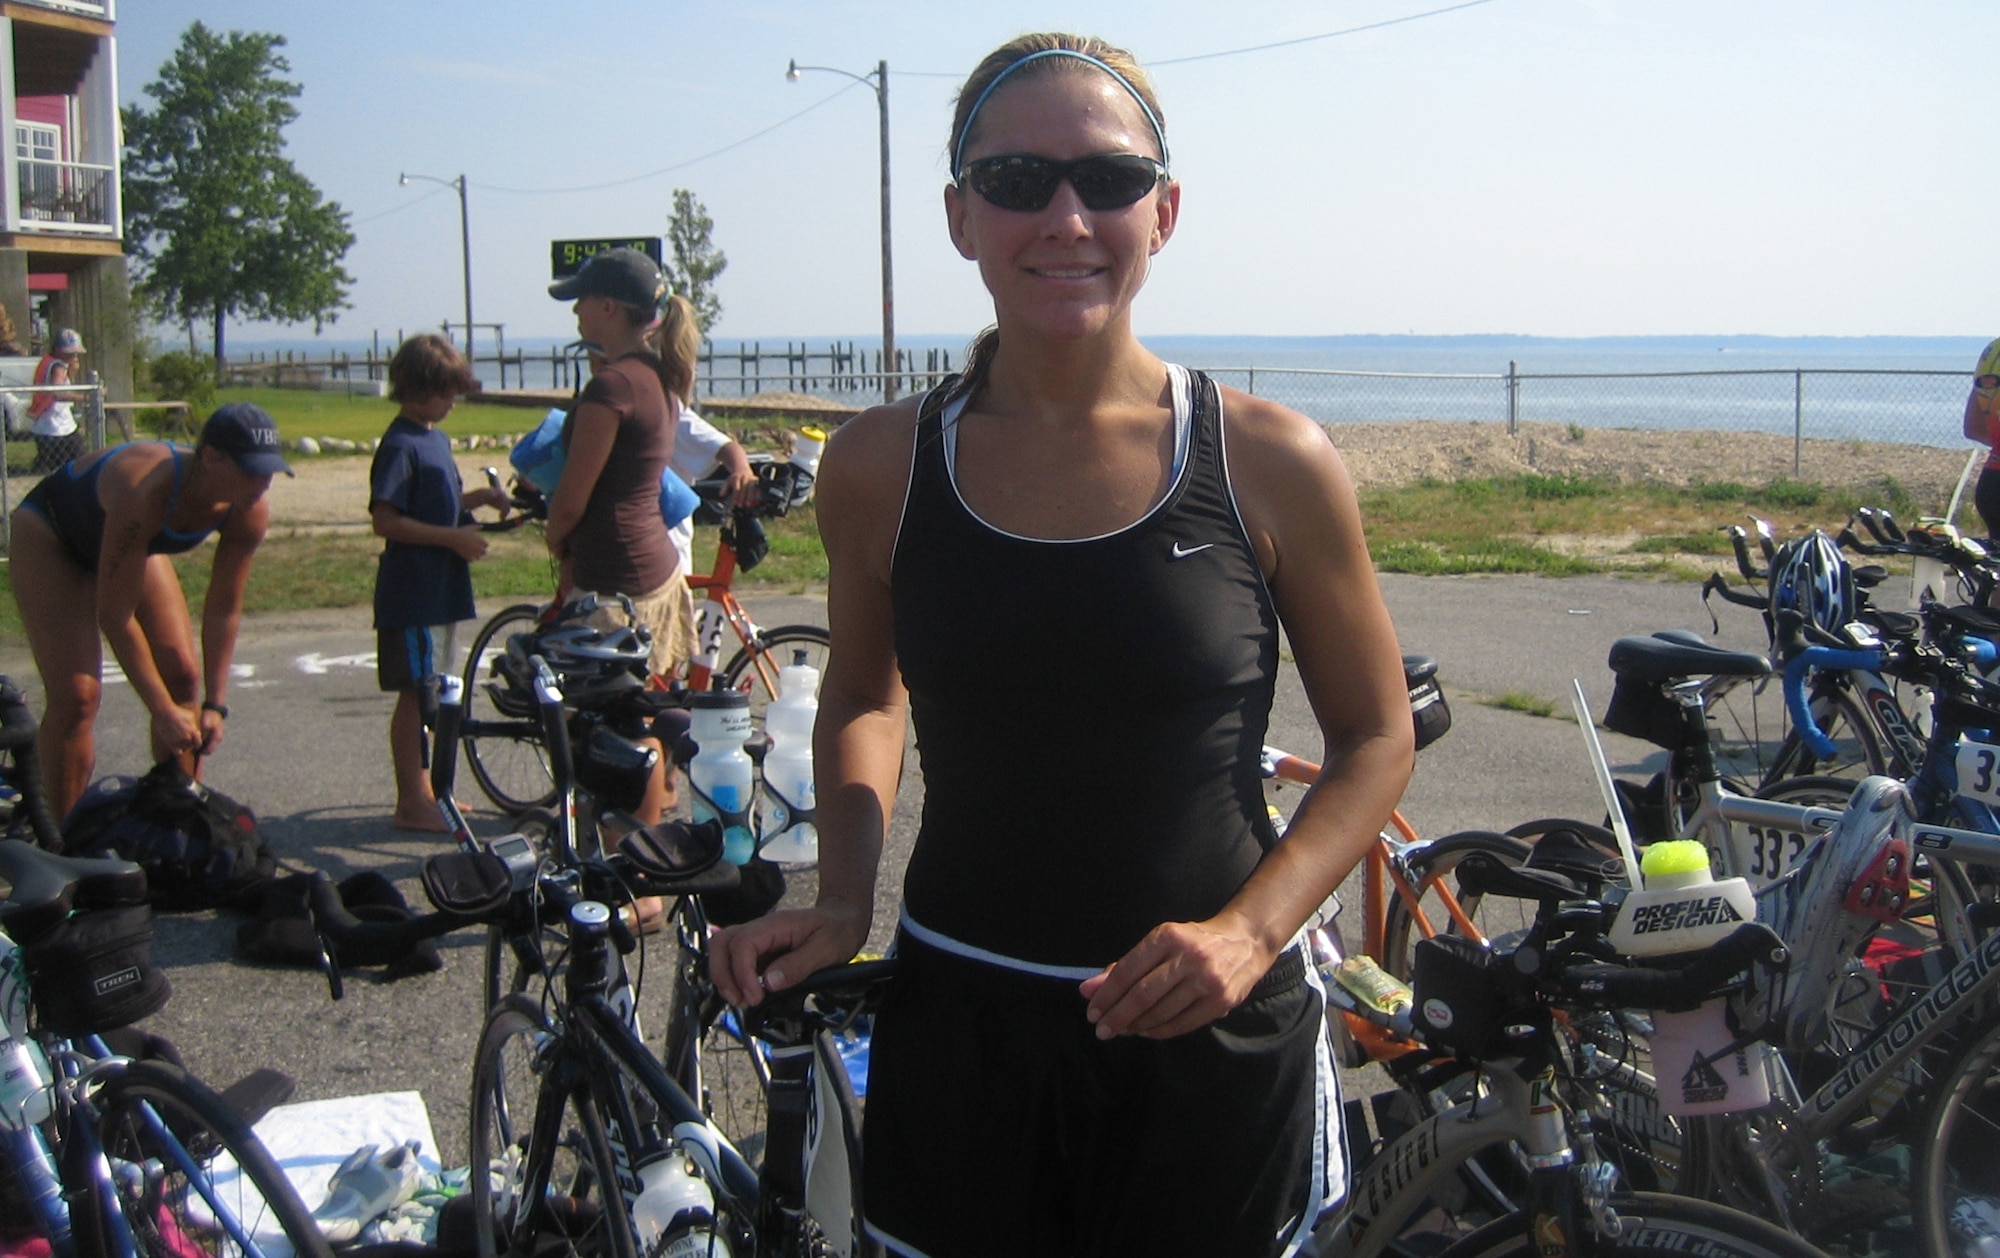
x: 501, y: 738
x: 101, y: 1154
x: 1502, y: 1019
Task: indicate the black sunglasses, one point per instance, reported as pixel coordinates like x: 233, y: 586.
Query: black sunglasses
x: 1110, y: 181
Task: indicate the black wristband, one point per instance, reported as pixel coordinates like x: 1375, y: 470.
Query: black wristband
x: 220, y: 709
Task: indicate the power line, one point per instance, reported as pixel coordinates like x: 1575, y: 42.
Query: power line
x: 652, y: 174
x: 1237, y: 52
x: 1307, y: 39
x: 404, y: 206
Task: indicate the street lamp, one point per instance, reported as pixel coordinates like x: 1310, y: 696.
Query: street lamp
x: 465, y: 244
x: 880, y: 77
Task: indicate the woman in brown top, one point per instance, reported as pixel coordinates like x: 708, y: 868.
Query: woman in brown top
x: 604, y: 525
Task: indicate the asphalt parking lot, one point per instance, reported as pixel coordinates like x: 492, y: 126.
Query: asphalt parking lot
x: 306, y: 748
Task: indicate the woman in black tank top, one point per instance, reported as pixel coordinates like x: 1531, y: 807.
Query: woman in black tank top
x: 1071, y: 567
x: 132, y: 507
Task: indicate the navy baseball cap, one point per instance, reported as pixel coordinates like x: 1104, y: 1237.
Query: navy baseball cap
x: 625, y: 275
x: 249, y: 435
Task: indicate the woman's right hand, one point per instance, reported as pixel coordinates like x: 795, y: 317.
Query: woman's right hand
x: 176, y: 731
x: 775, y: 951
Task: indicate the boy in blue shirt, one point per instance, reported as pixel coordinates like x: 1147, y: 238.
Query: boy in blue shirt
x: 423, y: 515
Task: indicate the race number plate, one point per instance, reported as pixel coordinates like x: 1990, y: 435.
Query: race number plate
x: 1764, y: 853
x: 1979, y: 771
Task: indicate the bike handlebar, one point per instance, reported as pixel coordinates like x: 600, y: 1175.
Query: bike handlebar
x: 1804, y: 662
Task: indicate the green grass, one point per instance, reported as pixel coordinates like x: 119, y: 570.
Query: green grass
x: 1521, y: 701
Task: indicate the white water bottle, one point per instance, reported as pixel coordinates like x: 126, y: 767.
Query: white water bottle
x: 790, y: 834
x: 807, y: 446
x: 721, y: 772
x: 25, y: 1096
x: 1684, y: 908
x: 674, y: 1214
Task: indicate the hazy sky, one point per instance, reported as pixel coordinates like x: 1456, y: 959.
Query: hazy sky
x: 1554, y: 167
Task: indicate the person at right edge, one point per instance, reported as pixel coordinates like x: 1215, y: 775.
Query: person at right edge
x: 1071, y: 566
x: 1980, y: 421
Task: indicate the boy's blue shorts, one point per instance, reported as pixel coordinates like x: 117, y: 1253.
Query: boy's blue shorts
x: 404, y: 657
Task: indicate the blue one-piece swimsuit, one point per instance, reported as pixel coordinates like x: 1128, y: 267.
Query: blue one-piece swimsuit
x: 67, y: 499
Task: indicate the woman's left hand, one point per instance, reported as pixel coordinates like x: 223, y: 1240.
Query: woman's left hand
x: 1181, y: 976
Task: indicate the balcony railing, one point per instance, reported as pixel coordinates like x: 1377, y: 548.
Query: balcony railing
x: 101, y: 9
x: 65, y: 196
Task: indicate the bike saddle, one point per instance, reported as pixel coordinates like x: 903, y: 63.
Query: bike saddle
x: 1663, y: 659
x: 1585, y: 854
x: 1481, y: 873
x: 44, y: 882
x: 1418, y: 669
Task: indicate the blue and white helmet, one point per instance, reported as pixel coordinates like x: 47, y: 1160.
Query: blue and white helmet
x: 1809, y: 575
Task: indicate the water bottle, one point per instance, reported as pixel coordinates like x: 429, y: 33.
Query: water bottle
x: 721, y: 772
x: 674, y: 1214
x: 790, y: 835
x: 25, y: 1096
x: 1684, y: 908
x: 806, y: 449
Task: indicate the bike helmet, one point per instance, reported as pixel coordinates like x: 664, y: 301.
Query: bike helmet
x: 1810, y: 576
x: 593, y: 665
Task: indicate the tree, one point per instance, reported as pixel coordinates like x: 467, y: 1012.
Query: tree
x: 696, y: 262
x: 219, y: 220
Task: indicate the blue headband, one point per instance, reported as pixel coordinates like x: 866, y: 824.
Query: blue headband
x: 958, y: 153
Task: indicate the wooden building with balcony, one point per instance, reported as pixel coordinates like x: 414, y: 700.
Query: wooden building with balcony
x: 62, y: 254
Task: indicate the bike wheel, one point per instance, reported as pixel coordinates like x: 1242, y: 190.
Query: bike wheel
x: 503, y: 748
x: 773, y: 650
x: 1957, y: 1173
x: 544, y: 1180
x: 1653, y: 1224
x: 705, y: 1049
x: 1428, y: 886
x: 189, y: 1176
x: 1754, y: 744
x: 24, y: 804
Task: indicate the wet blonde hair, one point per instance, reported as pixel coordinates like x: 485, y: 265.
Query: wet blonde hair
x: 1002, y: 62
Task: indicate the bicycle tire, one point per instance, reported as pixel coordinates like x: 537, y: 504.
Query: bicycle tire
x: 1429, y: 865
x: 159, y: 1168
x: 1954, y: 1145
x: 1654, y: 1223
x: 545, y: 1180
x: 1858, y: 745
x: 30, y: 819
x: 775, y: 646
x: 704, y: 1049
x: 507, y: 760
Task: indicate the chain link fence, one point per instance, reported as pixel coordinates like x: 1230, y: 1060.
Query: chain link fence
x: 1909, y: 407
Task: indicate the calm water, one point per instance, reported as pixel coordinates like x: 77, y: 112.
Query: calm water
x: 1835, y: 398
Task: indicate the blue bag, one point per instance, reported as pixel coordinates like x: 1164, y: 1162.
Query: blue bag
x: 677, y: 501
x: 539, y: 456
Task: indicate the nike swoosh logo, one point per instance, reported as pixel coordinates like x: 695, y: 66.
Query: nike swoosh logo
x: 1182, y: 552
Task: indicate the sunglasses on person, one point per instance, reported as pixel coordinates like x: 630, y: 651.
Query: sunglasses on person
x: 1024, y: 182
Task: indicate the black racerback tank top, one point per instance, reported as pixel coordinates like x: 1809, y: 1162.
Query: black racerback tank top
x: 1089, y: 713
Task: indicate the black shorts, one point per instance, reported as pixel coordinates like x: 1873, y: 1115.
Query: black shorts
x: 1986, y: 499
x: 997, y: 1122
x: 404, y: 657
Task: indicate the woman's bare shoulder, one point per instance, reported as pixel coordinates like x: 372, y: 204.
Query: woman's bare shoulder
x: 879, y: 432
x: 1268, y: 438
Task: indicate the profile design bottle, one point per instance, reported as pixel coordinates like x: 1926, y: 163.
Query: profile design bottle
x: 1684, y: 908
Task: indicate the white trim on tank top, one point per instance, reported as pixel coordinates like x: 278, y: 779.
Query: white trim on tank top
x: 1180, y: 385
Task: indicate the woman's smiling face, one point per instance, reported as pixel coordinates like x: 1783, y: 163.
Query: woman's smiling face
x: 1065, y: 270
